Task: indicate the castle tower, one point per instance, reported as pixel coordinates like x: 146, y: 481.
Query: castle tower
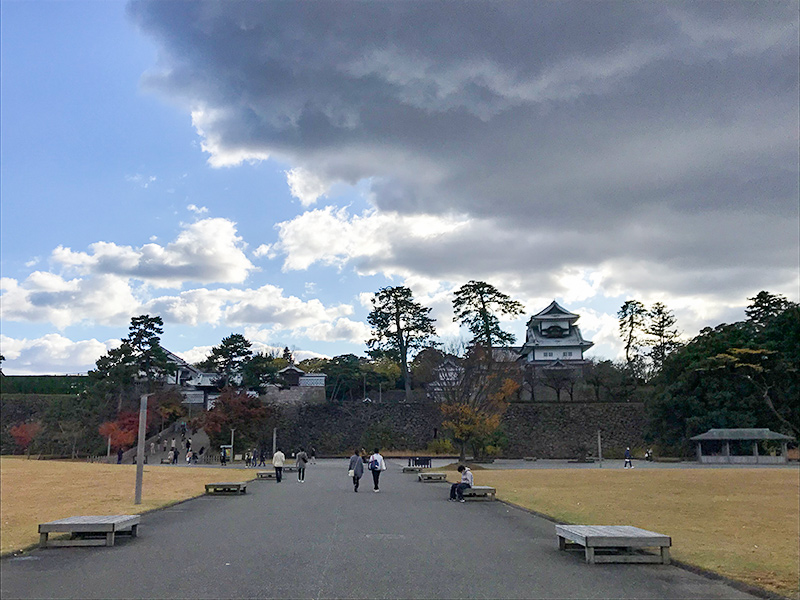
x: 552, y: 335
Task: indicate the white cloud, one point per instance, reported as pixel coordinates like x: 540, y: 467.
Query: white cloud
x: 264, y: 250
x: 340, y: 330
x: 141, y: 180
x: 306, y: 186
x: 199, y: 210
x: 46, y: 297
x: 51, y: 354
x: 207, y: 251
x: 237, y: 307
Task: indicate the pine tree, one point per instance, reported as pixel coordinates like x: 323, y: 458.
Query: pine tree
x: 401, y: 324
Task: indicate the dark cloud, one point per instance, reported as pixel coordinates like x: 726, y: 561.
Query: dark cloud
x: 665, y: 133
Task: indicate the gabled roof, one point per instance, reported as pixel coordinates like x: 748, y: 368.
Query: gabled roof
x: 740, y: 434
x: 292, y: 368
x: 554, y: 311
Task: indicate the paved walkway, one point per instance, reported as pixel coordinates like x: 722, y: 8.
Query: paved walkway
x: 320, y: 540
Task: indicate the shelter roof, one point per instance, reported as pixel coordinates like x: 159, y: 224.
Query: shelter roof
x: 740, y: 434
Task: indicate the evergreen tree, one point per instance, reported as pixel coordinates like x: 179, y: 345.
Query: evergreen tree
x: 230, y: 357
x: 401, y: 324
x: 631, y: 319
x: 145, y: 342
x: 477, y: 305
x: 663, y: 332
x: 764, y: 308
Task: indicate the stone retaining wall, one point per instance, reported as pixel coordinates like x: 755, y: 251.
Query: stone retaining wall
x: 544, y: 430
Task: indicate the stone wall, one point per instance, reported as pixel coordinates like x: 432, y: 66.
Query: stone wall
x: 564, y: 430
x: 544, y: 430
x: 295, y: 395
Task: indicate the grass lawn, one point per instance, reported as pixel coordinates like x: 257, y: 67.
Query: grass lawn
x: 36, y: 491
x: 742, y: 523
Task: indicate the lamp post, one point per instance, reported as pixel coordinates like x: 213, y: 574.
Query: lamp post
x: 232, y: 454
x: 140, y: 448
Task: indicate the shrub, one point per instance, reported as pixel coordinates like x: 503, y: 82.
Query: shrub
x: 441, y: 446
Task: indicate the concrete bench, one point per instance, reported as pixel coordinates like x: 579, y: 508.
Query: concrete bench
x: 266, y: 475
x: 290, y: 469
x: 614, y: 543
x: 227, y: 487
x: 84, y: 530
x: 412, y: 469
x: 479, y: 492
x: 425, y: 477
x: 166, y: 461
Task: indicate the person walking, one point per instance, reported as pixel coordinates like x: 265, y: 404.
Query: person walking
x: 164, y: 445
x: 278, y: 459
x: 376, y: 464
x: 628, y: 464
x: 356, y: 469
x: 313, y: 453
x: 300, y: 462
x: 457, y: 489
x: 119, y: 456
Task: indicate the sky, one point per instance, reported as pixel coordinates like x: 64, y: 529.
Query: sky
x: 264, y: 168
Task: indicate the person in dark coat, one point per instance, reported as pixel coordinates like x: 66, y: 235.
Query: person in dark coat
x: 628, y: 464
x: 119, y: 456
x: 356, y: 468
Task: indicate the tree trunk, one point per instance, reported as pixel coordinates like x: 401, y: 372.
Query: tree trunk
x: 462, y: 457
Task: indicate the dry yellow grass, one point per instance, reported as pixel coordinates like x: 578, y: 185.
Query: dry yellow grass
x: 741, y: 523
x: 37, y: 491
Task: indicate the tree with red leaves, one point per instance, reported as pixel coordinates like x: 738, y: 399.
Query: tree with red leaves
x: 24, y: 434
x: 252, y: 419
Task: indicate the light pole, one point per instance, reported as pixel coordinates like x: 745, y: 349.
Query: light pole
x: 140, y: 448
x: 232, y: 455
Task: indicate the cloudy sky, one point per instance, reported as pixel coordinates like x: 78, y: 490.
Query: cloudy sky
x: 264, y: 167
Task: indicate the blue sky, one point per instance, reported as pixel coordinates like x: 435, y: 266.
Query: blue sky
x: 263, y: 168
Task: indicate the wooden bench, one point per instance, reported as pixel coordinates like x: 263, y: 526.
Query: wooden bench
x: 412, y: 469
x: 266, y: 475
x: 425, y: 477
x: 84, y: 530
x: 614, y: 543
x: 227, y: 487
x: 479, y: 492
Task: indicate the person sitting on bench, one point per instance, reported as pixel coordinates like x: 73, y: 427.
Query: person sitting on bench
x: 457, y: 489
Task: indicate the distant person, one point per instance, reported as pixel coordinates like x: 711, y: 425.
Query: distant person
x: 189, y: 455
x: 313, y: 454
x: 376, y: 464
x: 457, y: 489
x: 119, y: 456
x: 356, y: 469
x: 152, y: 447
x: 301, y: 462
x: 188, y: 444
x: 223, y: 459
x: 278, y: 460
x: 164, y: 445
x: 628, y: 464
x: 175, y: 455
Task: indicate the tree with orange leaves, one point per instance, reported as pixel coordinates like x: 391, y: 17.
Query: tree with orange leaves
x: 474, y: 398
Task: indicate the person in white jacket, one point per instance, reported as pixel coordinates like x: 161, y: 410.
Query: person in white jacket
x: 457, y: 489
x: 277, y: 461
x: 376, y: 464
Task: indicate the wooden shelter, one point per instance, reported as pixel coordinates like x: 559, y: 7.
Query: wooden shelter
x: 719, y: 442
